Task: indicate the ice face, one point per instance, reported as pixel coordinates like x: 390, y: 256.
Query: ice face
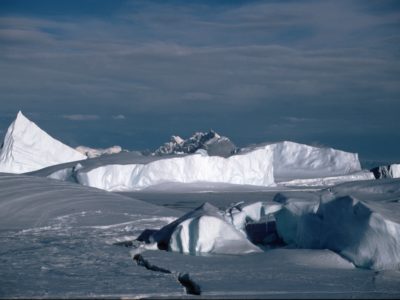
x: 27, y: 148
x: 253, y: 168
x: 299, y: 161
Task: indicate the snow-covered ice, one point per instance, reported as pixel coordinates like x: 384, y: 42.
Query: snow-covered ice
x: 96, y: 152
x: 26, y: 148
x: 253, y: 167
x: 388, y: 171
x: 299, y: 161
x: 363, y: 228
x: 211, y: 141
x: 285, y: 219
x: 202, y: 231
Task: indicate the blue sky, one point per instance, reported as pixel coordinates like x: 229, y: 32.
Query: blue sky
x: 132, y: 73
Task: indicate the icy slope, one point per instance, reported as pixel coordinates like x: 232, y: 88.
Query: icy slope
x: 26, y: 148
x: 203, y: 230
x: 30, y: 201
x: 57, y: 242
x: 211, y: 141
x: 254, y: 168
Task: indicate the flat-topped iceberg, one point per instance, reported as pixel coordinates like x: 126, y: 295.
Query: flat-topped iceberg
x: 27, y: 148
x: 252, y: 168
x: 299, y: 161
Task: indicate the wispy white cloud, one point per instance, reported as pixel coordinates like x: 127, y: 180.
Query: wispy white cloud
x: 81, y: 117
x: 119, y: 117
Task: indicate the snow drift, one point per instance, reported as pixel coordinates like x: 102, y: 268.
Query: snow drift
x: 26, y: 148
x: 203, y: 230
x: 253, y: 168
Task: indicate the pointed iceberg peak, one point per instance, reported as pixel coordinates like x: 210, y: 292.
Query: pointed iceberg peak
x: 21, y: 121
x: 20, y: 115
x: 27, y: 148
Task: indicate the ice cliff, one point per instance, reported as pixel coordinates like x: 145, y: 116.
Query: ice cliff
x: 26, y: 148
x: 253, y: 168
x: 299, y: 161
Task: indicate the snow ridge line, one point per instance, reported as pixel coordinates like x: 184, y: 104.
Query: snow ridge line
x: 191, y: 287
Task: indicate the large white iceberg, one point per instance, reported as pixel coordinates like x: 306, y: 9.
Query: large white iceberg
x: 252, y: 168
x: 27, y: 148
x: 203, y: 230
x: 299, y: 161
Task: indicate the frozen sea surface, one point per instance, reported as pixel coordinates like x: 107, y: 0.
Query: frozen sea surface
x: 58, y: 240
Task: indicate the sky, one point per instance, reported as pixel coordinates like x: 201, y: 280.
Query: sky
x: 133, y: 73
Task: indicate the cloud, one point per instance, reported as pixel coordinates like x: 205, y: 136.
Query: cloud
x: 240, y: 66
x: 81, y: 117
x: 119, y: 117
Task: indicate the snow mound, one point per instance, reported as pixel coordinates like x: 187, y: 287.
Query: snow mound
x: 92, y: 152
x: 390, y: 171
x: 252, y: 168
x: 362, y: 232
x: 203, y: 230
x: 211, y: 141
x: 299, y: 161
x: 27, y: 148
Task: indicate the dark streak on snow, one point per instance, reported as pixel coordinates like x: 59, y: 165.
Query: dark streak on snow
x: 191, y: 287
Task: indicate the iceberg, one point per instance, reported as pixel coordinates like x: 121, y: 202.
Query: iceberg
x: 203, y: 230
x: 252, y: 168
x: 27, y: 148
x: 299, y: 161
x: 389, y: 171
x: 93, y: 152
x: 211, y: 141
